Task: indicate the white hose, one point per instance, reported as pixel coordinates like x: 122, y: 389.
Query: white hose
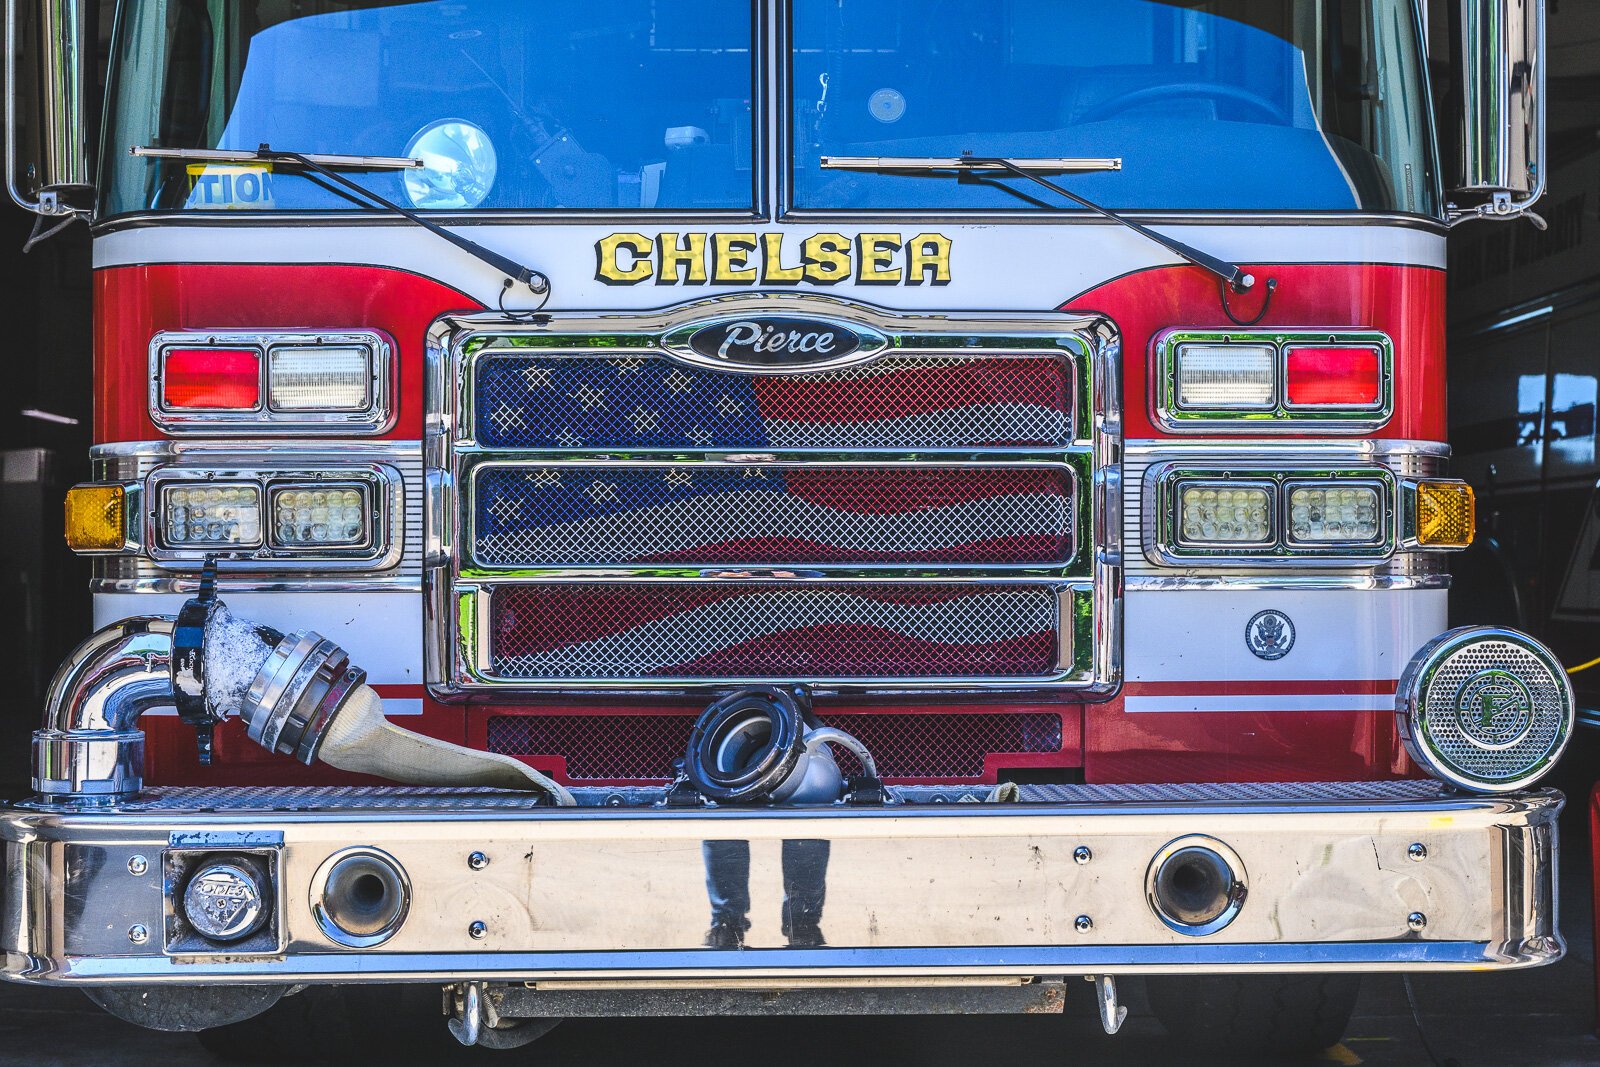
x: 362, y: 740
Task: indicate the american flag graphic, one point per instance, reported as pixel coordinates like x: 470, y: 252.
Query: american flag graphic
x: 792, y: 515
x: 773, y: 630
x: 653, y: 402
x: 773, y: 515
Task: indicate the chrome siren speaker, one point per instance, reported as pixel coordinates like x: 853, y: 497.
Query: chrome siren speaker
x: 764, y: 745
x: 1484, y: 709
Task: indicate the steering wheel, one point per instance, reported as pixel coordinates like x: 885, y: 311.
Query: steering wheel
x: 1183, y: 90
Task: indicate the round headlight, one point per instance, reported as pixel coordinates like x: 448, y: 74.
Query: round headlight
x: 458, y: 166
x: 1486, y: 710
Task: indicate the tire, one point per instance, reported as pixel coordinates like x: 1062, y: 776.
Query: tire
x: 1255, y: 1014
x: 397, y: 1025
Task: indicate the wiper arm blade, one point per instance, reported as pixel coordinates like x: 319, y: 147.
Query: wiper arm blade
x: 1032, y: 169
x: 361, y: 196
x: 923, y: 164
x: 229, y: 155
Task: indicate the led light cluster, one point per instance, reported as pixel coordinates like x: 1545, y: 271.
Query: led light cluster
x: 203, y: 515
x: 1225, y: 515
x: 1341, y: 514
x: 264, y: 514
x: 1266, y: 516
x: 319, y: 516
x: 1270, y: 379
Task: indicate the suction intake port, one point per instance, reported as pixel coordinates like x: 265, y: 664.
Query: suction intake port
x: 1196, y: 885
x: 360, y: 897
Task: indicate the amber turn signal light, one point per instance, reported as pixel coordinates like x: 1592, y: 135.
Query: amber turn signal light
x: 1444, y: 513
x: 96, y: 518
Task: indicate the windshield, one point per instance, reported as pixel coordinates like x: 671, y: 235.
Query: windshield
x: 514, y: 104
x: 1222, y: 105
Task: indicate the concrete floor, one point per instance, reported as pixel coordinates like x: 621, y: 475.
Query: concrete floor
x: 1539, y: 1017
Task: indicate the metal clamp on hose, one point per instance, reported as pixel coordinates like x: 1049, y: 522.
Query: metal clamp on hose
x: 296, y: 693
x: 764, y: 745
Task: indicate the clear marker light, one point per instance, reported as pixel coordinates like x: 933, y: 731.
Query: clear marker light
x: 316, y: 516
x: 319, y: 378
x: 1226, y: 377
x: 1332, y: 514
x: 205, y: 515
x: 1224, y: 515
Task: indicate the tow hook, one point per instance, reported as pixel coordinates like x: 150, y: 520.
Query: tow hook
x: 475, y: 1020
x: 1112, y: 1013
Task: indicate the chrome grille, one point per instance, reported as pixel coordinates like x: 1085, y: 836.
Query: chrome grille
x: 772, y: 630
x: 767, y: 514
x: 626, y: 514
x: 650, y: 401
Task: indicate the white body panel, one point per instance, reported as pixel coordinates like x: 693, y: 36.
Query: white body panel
x: 993, y: 266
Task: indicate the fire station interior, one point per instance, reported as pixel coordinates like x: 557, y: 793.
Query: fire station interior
x: 1524, y: 403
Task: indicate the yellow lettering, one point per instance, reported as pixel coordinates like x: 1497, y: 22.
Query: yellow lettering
x: 680, y: 250
x: 608, y: 254
x: 827, y: 258
x: 928, y: 253
x: 730, y: 259
x: 875, y: 258
x: 773, y: 272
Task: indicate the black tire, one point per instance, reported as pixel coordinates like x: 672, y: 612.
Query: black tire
x: 397, y: 1025
x: 1255, y: 1014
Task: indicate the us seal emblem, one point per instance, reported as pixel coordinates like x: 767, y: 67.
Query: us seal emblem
x: 1269, y: 634
x: 1494, y: 709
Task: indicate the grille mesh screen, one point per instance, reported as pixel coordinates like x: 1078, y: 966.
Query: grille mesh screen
x: 772, y: 630
x: 621, y: 748
x: 652, y: 402
x: 774, y: 515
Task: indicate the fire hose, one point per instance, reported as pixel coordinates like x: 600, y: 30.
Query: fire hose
x: 298, y: 695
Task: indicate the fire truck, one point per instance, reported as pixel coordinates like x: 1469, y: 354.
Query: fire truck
x: 803, y: 506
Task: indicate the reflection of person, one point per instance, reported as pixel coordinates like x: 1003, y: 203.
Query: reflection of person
x: 805, y: 873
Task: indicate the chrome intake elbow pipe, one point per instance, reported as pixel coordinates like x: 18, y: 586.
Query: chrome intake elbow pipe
x: 298, y: 694
x: 91, y: 749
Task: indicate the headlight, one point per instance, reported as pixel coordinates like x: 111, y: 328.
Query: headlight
x: 458, y: 167
x: 219, y: 514
x: 1485, y: 710
x: 1225, y: 514
x: 1332, y: 513
x: 320, y: 516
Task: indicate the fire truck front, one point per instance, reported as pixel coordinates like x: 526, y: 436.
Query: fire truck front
x: 635, y: 506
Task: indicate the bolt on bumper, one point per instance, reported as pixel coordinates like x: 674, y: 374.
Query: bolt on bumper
x: 1346, y: 877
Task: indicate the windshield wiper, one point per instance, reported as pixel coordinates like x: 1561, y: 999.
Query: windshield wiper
x: 361, y: 196
x: 1033, y: 169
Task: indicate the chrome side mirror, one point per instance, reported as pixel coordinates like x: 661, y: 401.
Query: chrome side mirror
x: 1499, y: 63
x: 59, y: 184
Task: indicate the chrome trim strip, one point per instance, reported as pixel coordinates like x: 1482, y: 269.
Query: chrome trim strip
x: 912, y: 868
x: 377, y: 417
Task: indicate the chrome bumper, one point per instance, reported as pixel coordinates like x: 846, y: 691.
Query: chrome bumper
x: 1053, y: 885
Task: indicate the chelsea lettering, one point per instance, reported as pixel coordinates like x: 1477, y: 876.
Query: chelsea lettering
x: 772, y: 258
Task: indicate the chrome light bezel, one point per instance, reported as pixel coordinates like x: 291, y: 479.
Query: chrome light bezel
x: 1161, y: 500
x: 379, y: 550
x: 376, y: 417
x: 1280, y: 417
x: 1411, y: 709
